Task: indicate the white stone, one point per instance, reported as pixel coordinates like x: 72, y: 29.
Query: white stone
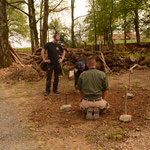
x: 130, y: 95
x: 71, y: 73
x: 125, y: 118
x: 65, y: 108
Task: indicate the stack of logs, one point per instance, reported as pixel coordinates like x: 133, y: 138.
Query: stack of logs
x: 114, y: 61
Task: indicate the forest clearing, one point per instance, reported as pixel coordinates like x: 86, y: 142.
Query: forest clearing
x: 74, y: 74
x: 42, y: 118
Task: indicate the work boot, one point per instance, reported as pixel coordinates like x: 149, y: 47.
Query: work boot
x: 89, y: 113
x: 96, y: 113
x: 56, y: 92
x: 46, y: 93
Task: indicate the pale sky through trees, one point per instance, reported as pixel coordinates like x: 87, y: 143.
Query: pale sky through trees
x: 80, y: 10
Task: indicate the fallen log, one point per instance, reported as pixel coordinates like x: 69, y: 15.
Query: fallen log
x: 107, y: 69
x: 14, y: 54
x: 16, y: 58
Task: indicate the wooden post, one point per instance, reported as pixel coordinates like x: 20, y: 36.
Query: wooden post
x: 136, y: 65
x: 66, y: 98
x: 61, y: 65
x: 126, y: 100
x: 129, y: 80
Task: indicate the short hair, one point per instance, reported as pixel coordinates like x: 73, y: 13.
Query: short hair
x: 91, y: 61
x: 55, y: 35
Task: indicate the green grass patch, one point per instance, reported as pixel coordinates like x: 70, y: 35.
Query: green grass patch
x: 147, y: 118
x: 11, y: 84
x: 28, y: 82
x: 23, y: 49
x: 116, y: 134
x: 148, y: 55
x: 135, y: 55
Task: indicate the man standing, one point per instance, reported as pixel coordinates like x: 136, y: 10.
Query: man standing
x: 56, y: 55
x: 92, y: 87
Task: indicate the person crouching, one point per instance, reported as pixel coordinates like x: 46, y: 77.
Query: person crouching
x: 92, y: 87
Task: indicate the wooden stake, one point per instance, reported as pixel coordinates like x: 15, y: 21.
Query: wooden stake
x: 11, y: 49
x: 136, y: 65
x: 126, y: 101
x: 61, y: 65
x: 107, y: 69
x: 17, y: 60
x: 129, y: 80
x: 66, y: 98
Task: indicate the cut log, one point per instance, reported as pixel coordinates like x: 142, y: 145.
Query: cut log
x: 15, y: 54
x: 16, y: 58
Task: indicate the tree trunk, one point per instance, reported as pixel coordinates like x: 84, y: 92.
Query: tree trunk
x: 111, y: 21
x: 32, y: 25
x: 36, y: 39
x: 45, y: 23
x: 95, y: 30
x: 41, y: 10
x: 72, y: 24
x: 5, y: 58
x: 125, y: 29
x: 136, y: 24
x: 31, y: 28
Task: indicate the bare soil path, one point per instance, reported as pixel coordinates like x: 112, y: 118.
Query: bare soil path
x: 13, y: 134
x: 25, y: 113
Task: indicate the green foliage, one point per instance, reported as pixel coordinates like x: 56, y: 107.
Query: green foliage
x: 148, y: 55
x: 17, y: 22
x: 116, y: 134
x: 113, y: 16
x: 23, y: 49
x: 102, y: 16
x: 57, y: 27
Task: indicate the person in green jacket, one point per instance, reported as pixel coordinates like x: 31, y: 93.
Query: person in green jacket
x: 92, y: 87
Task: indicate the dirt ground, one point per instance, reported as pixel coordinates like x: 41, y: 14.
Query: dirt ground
x: 56, y: 130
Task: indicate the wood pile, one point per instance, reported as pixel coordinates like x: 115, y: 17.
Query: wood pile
x: 29, y: 66
x: 107, y: 60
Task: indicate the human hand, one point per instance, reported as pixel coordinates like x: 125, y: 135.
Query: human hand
x: 60, y: 60
x: 47, y: 61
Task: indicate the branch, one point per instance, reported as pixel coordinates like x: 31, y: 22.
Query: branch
x: 53, y: 10
x: 56, y: 6
x: 80, y: 16
x: 19, y: 2
x: 17, y: 8
x: 60, y: 9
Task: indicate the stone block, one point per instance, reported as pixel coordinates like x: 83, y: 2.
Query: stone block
x: 130, y: 95
x: 65, y: 108
x: 125, y: 118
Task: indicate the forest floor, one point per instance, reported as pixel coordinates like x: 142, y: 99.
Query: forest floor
x: 43, y: 123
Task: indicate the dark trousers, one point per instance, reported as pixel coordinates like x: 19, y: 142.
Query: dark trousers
x: 56, y: 69
x: 76, y: 77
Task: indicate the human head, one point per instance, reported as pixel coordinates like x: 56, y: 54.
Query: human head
x: 91, y: 62
x: 56, y: 37
x: 81, y: 66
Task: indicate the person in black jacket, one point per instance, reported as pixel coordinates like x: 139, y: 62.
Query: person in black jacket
x: 80, y: 66
x: 56, y: 55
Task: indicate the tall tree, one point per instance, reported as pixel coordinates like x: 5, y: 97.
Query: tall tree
x: 41, y: 14
x: 111, y: 20
x: 17, y: 23
x: 57, y: 27
x: 5, y: 58
x: 32, y: 19
x: 45, y: 23
x: 72, y: 23
x: 32, y: 24
x: 136, y: 24
x: 47, y: 10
